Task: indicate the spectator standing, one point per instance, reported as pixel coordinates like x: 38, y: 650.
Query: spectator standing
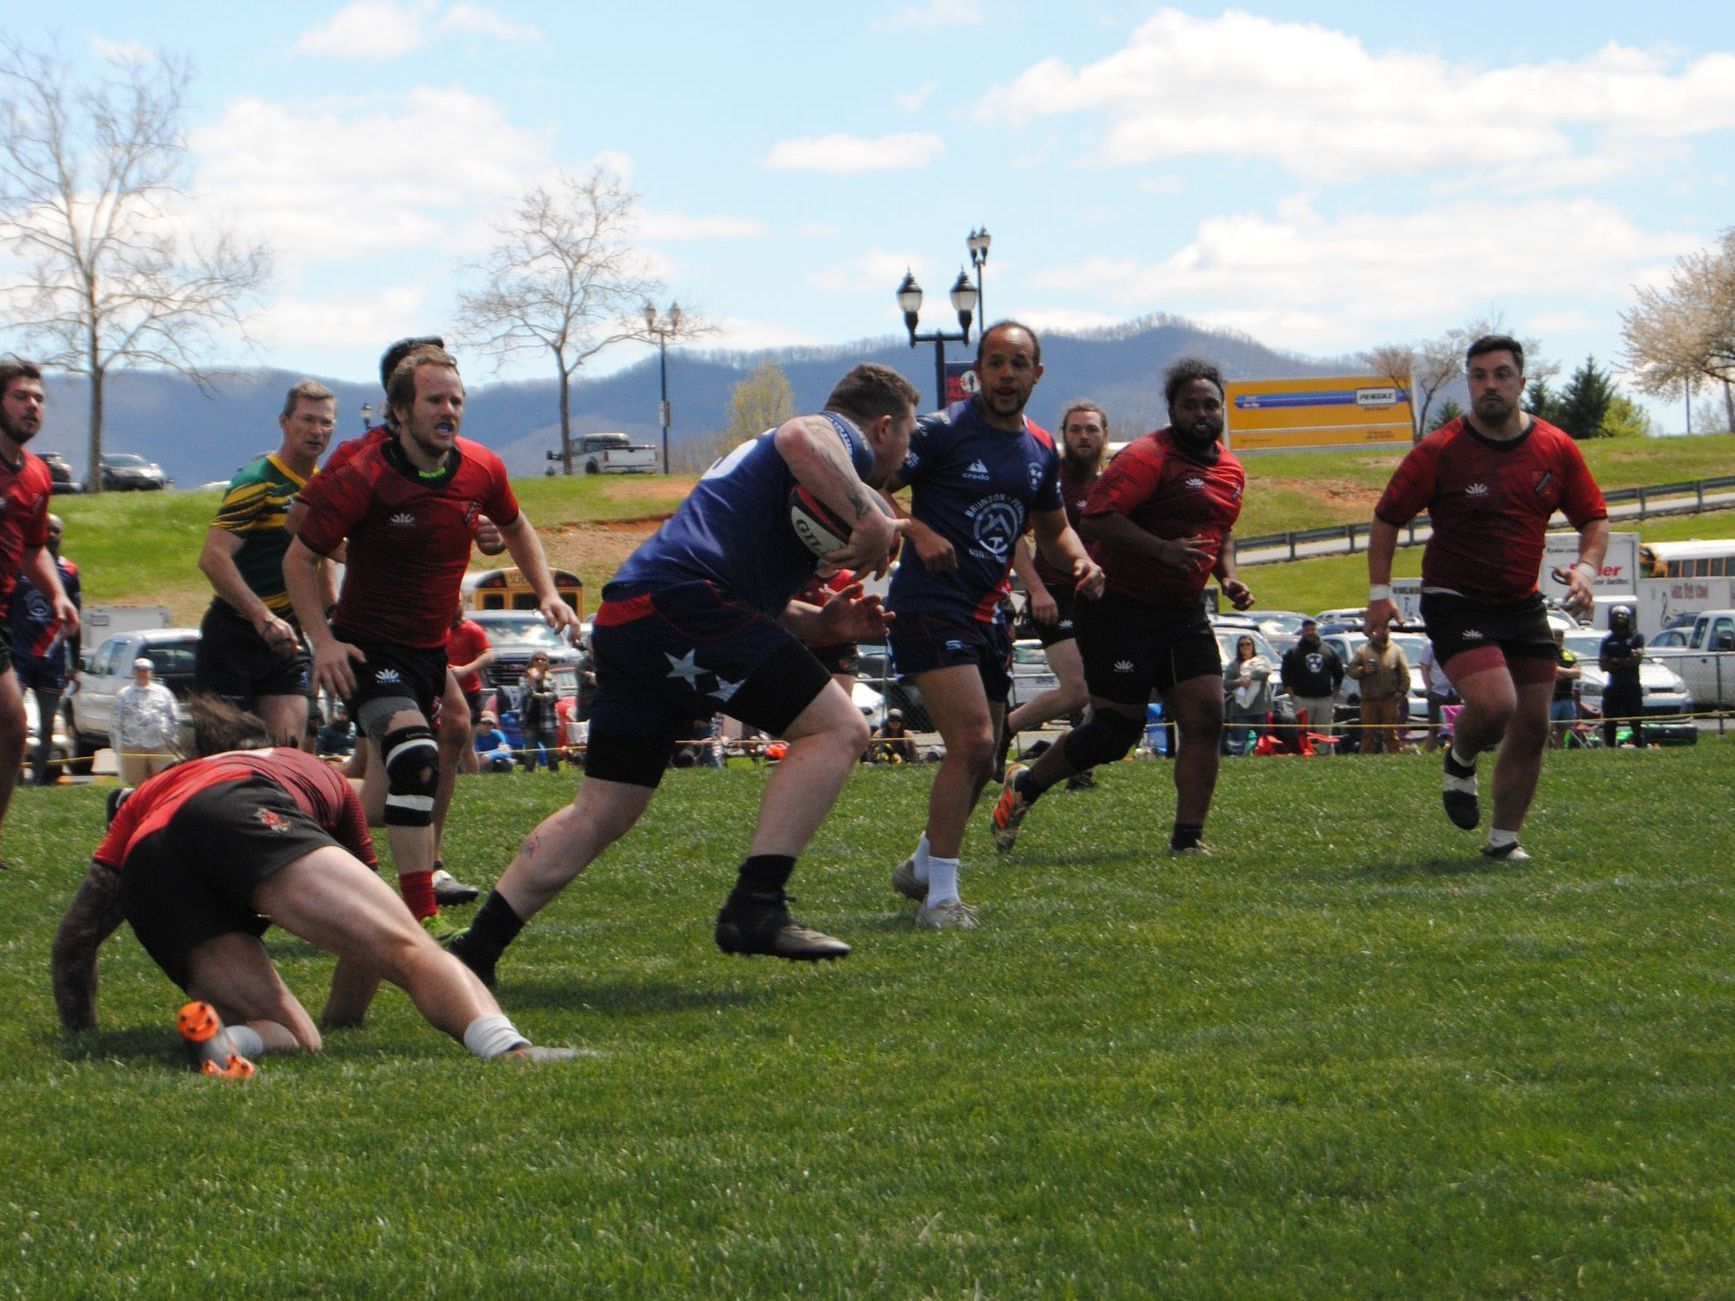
x: 1563, y: 708
x: 1379, y: 665
x: 1623, y: 697
x: 1312, y: 673
x: 45, y: 658
x: 1246, y: 697
x: 147, y: 726
x: 1439, y: 692
x: 538, y: 716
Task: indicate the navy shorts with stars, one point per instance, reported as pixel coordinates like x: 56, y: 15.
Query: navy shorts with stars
x: 672, y: 657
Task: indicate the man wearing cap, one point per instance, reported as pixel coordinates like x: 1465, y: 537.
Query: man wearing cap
x: 892, y: 740
x: 491, y: 746
x: 147, y: 726
x: 1312, y: 673
x: 1623, y: 698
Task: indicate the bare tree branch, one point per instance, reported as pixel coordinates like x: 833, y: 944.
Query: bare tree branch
x: 564, y: 279
x: 91, y: 185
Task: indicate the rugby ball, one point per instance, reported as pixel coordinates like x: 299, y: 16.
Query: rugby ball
x: 820, y: 529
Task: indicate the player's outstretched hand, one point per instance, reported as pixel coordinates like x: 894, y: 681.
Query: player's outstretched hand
x: 1088, y: 578
x: 849, y: 616
x: 333, y: 667
x: 1380, y: 614
x: 872, y: 545
x: 1240, y: 595
x: 1580, y: 596
x: 559, y: 614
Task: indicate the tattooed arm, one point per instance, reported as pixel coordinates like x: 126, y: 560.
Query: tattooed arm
x: 91, y: 917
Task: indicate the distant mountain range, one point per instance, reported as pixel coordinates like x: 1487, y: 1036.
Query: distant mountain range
x: 198, y: 438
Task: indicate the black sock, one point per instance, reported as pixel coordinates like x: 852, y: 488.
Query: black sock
x: 1026, y: 786
x: 763, y: 874
x: 495, y: 926
x: 1186, y: 835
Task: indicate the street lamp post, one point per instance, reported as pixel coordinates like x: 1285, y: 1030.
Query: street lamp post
x: 964, y: 297
x: 668, y: 324
x: 978, y: 243
x: 367, y: 416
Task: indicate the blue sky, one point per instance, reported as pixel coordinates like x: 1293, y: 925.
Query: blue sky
x: 1324, y: 177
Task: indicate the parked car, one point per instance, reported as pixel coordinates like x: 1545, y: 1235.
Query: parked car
x: 60, y: 470
x: 1703, y: 653
x: 129, y: 472
x: 59, y: 748
x: 1346, y: 618
x: 1282, y: 628
x: 613, y: 454
x: 89, y: 706
x: 1664, y: 691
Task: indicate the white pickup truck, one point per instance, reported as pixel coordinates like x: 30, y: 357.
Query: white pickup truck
x: 1703, y: 653
x: 613, y: 454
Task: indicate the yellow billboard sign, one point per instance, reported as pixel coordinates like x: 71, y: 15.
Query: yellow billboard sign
x: 1321, y: 411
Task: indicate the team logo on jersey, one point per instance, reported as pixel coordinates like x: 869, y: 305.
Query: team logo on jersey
x: 995, y: 523
x: 1471, y: 634
x: 977, y: 470
x: 471, y: 512
x: 1123, y: 666
x: 1035, y: 475
x: 404, y: 519
x: 387, y: 677
x: 271, y: 820
x: 1476, y: 490
x: 1194, y: 481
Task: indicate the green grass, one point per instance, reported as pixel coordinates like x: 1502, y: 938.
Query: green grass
x: 1344, y: 1056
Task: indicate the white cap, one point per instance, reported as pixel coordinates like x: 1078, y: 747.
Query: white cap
x: 142, y: 663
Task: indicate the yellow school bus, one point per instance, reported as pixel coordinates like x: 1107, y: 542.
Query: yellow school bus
x: 506, y: 589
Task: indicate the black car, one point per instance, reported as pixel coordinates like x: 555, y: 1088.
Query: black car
x: 60, y: 470
x: 130, y: 472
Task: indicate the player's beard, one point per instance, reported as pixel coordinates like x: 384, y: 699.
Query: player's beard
x: 1080, y: 465
x: 1200, y: 438
x: 18, y: 436
x: 1494, y: 410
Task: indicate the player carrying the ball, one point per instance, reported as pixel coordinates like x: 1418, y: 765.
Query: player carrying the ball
x: 701, y: 619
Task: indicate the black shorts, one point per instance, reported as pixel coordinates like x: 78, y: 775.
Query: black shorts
x: 233, y: 662
x: 1062, y: 629
x: 5, y: 645
x: 474, y: 700
x: 393, y: 672
x: 921, y: 642
x: 40, y: 674
x: 194, y: 880
x: 842, y: 658
x: 687, y: 652
x: 1131, y: 648
x: 1457, y: 624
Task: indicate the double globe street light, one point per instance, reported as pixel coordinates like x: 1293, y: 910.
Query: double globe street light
x: 663, y: 327
x: 966, y: 297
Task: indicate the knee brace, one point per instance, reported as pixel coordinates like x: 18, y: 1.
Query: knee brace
x: 412, y: 763
x: 1107, y: 737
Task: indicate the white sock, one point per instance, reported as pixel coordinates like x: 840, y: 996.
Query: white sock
x: 921, y: 857
x: 1498, y: 837
x: 247, y: 1041
x: 1460, y: 760
x: 490, y: 1036
x: 942, y: 880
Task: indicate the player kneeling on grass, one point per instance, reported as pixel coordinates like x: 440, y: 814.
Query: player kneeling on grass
x: 702, y: 618
x: 203, y: 857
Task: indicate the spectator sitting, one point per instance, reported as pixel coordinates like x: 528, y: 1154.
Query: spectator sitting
x: 493, y: 749
x: 892, y: 742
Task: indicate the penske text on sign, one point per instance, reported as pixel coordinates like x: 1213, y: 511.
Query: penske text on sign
x: 1322, y: 411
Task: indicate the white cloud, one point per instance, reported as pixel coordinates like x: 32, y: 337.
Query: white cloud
x: 334, y: 179
x: 737, y: 333
x: 847, y: 153
x: 912, y: 101
x: 388, y: 29
x: 934, y: 15
x: 120, y: 51
x: 877, y: 269
x: 360, y: 321
x: 1299, y: 280
x: 1320, y: 104
x: 1068, y: 320
x: 679, y: 226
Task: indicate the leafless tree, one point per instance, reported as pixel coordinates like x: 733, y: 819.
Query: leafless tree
x: 1685, y: 331
x: 1424, y: 368
x: 93, y: 206
x: 564, y: 278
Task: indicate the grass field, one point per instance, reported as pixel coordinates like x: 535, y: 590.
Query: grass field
x: 1342, y: 1057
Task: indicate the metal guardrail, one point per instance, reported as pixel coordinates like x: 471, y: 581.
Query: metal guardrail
x: 1650, y: 499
